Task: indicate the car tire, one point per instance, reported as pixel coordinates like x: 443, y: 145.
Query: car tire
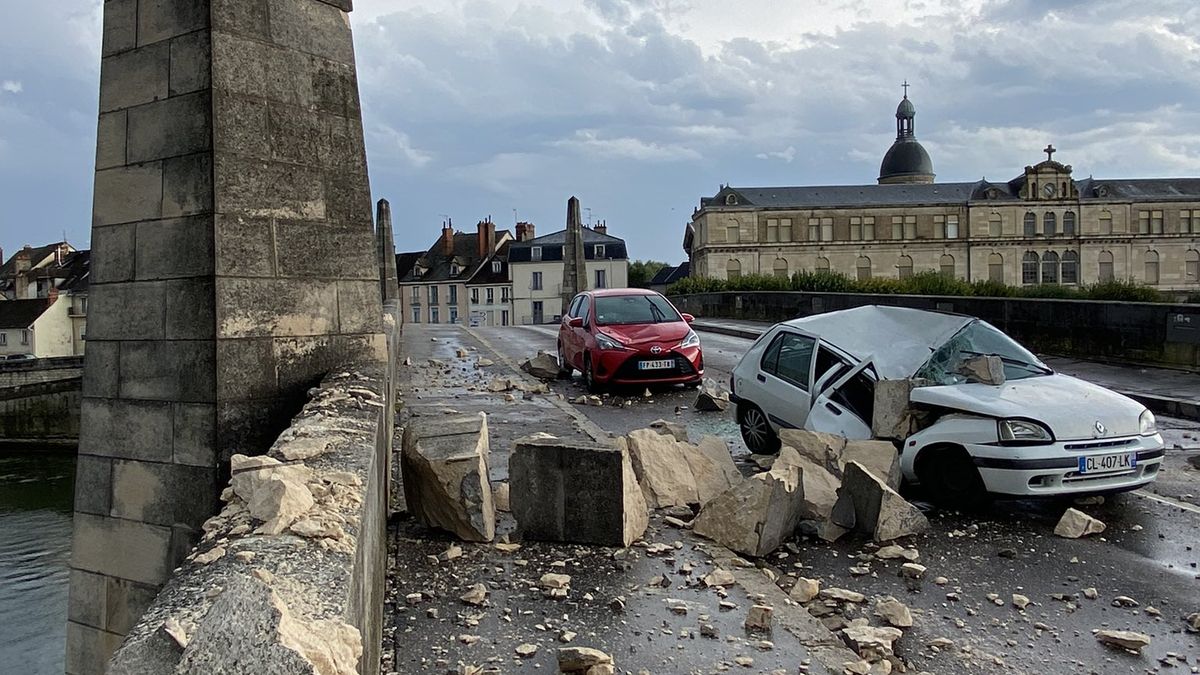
x: 564, y: 369
x: 757, y: 433
x: 950, y: 478
x: 589, y: 378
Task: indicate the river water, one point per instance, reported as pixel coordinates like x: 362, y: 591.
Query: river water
x: 36, y: 491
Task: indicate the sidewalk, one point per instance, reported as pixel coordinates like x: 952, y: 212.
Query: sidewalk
x: 1175, y: 393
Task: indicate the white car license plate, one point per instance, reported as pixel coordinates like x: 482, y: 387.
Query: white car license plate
x: 1108, y: 463
x: 656, y: 365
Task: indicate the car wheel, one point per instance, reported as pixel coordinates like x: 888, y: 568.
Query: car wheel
x: 760, y: 438
x: 950, y: 478
x: 564, y: 369
x: 589, y: 378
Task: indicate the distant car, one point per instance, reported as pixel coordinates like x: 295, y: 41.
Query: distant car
x: 1038, y: 433
x: 628, y: 336
x: 19, y: 357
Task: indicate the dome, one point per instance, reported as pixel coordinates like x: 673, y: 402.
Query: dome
x: 906, y: 109
x: 906, y: 162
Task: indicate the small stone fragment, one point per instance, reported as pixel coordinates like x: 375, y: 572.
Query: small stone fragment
x: 805, y: 590
x: 210, y: 556
x: 1020, y: 601
x: 894, y: 612
x: 759, y: 618
x: 1123, y: 639
x: 526, y: 650
x: 719, y: 577
x: 475, y: 596
x: 580, y: 659
x: 1075, y: 524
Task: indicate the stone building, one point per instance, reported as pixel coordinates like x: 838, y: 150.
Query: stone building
x: 536, y: 269
x: 1043, y: 227
x: 40, y: 327
x: 434, y: 284
x: 54, y: 271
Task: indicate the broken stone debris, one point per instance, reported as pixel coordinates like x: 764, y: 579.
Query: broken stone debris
x: 581, y: 660
x: 866, y: 503
x: 673, y: 429
x: 1123, y: 639
x: 894, y: 612
x: 1075, y: 524
x: 445, y: 469
x: 756, y: 515
x: 710, y: 397
x: 892, y: 414
x: 804, y: 590
x: 475, y: 596
x: 987, y: 369
x: 542, y: 366
x: 759, y: 618
x: 275, y: 493
x: 673, y: 473
x: 500, y: 497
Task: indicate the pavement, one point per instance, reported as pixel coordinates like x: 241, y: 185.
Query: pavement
x: 1147, y: 553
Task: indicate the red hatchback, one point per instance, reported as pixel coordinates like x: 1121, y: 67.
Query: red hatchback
x: 629, y: 336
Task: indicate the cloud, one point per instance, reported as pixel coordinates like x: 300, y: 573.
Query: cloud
x: 11, y: 86
x: 393, y: 143
x: 588, y: 143
x: 787, y: 154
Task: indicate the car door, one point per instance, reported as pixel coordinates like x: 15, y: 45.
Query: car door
x: 843, y: 404
x: 567, y: 334
x: 583, y: 333
x: 784, y: 378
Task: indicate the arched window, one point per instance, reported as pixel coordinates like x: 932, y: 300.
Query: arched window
x: 1191, y: 266
x: 995, y: 225
x: 1029, y: 268
x: 780, y: 268
x: 733, y: 269
x: 1050, y: 268
x: 731, y: 200
x: 947, y: 265
x: 822, y: 264
x: 1049, y: 224
x: 1069, y: 223
x: 1030, y: 224
x: 996, y: 268
x: 1070, y: 267
x: 863, y: 268
x: 1152, y: 268
x: 904, y: 267
x: 1105, y: 270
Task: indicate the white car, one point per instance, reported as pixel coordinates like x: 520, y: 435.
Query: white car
x: 1038, y: 433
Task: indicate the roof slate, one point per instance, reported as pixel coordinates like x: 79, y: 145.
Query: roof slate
x: 21, y: 313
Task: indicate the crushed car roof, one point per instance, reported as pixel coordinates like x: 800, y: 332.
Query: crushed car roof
x: 899, y: 340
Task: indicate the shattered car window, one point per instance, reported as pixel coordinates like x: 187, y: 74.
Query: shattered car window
x: 980, y: 339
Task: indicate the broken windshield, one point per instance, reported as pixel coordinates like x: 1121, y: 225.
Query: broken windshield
x: 977, y: 338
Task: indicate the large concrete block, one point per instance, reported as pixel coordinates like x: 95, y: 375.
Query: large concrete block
x: 125, y: 602
x: 297, y: 134
x: 309, y: 249
x: 121, y: 548
x: 93, y: 485
x: 85, y: 604
x: 174, y: 126
x: 335, y: 88
x: 164, y: 19
x: 187, y: 185
x: 120, y: 26
x: 135, y: 77
x: 164, y: 494
x: 260, y: 189
x: 313, y: 27
x: 275, y: 307
x: 180, y: 247
x: 562, y: 491
x: 129, y: 311
x: 168, y: 370
x: 110, y: 140
x: 194, y: 434
x: 113, y: 253
x: 127, y: 194
x: 239, y: 66
x: 756, y: 515
x: 241, y: 125
x: 348, y: 198
x: 191, y: 315
x: 126, y: 429
x: 343, y: 143
x: 245, y: 247
x: 246, y: 369
x: 88, y: 649
x: 866, y: 503
x: 191, y: 63
x: 241, y: 17
x: 100, y: 371
x: 445, y: 466
x: 359, y: 306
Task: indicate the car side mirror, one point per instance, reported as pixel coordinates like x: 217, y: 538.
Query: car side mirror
x: 575, y: 322
x: 688, y: 318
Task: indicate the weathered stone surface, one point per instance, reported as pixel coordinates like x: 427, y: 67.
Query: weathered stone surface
x: 894, y: 612
x: 672, y: 429
x: 1193, y: 622
x: 560, y: 491
x: 711, y: 398
x: 1075, y: 524
x: 580, y: 659
x: 865, y: 503
x: 818, y: 486
x: 869, y: 640
x: 445, y: 468
x: 822, y: 448
x: 275, y: 493
x: 759, y: 618
x: 500, y: 497
x: 805, y: 590
x: 673, y: 473
x: 542, y: 366
x: 1124, y: 639
x: 892, y: 416
x: 756, y: 515
x: 986, y: 369
x: 879, y: 457
x: 712, y: 468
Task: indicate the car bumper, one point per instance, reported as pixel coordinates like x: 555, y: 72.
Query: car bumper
x: 1048, y: 470
x: 621, y: 367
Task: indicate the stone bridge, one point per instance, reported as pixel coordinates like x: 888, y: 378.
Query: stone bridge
x: 39, y: 401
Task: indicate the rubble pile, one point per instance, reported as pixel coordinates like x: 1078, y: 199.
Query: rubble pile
x: 675, y: 473
x: 445, y: 468
x: 711, y: 397
x: 542, y: 366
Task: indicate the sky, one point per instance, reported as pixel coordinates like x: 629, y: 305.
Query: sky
x: 505, y: 108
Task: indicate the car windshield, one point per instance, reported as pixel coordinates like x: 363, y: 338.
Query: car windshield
x: 980, y: 339
x: 624, y: 309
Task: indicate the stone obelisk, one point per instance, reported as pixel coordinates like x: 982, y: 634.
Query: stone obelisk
x: 574, y: 264
x: 385, y: 250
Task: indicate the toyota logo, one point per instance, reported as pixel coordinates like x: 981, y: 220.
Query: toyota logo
x: 1100, y: 428
x: 658, y: 350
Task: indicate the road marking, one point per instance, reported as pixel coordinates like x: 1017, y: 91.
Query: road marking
x: 1167, y: 500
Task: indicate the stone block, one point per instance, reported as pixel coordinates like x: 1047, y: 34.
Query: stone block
x: 301, y: 362
x: 174, y: 126
x: 190, y: 316
x: 135, y: 77
x: 127, y: 194
x: 246, y: 369
x: 125, y: 603
x: 444, y: 462
x: 241, y: 125
x: 164, y: 19
x: 866, y: 503
x: 257, y: 189
x: 296, y: 134
x: 880, y: 457
x: 756, y: 515
x: 85, y: 604
x: 110, y: 140
x: 101, y: 361
x: 343, y: 144
x: 113, y: 254
x: 244, y: 247
x: 316, y: 249
x: 892, y: 417
x: 335, y: 88
x: 275, y: 307
x: 120, y: 26
x: 344, y: 5
x: 173, y: 248
x: 163, y: 494
x: 194, y: 434
x: 187, y: 185
x: 359, y: 306
x: 348, y: 200
x: 121, y: 548
x: 361, y: 348
x: 562, y: 491
x: 241, y: 17
x: 290, y: 75
x: 313, y: 27
x: 239, y: 66
x: 130, y: 311
x: 191, y: 63
x: 823, y: 449
x: 126, y: 429
x: 93, y: 486
x: 658, y: 461
x: 88, y: 649
x: 168, y: 370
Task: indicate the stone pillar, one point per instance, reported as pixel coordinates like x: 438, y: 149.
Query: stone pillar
x: 385, y: 250
x: 232, y: 266
x: 574, y: 263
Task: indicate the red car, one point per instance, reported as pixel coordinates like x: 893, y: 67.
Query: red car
x: 628, y: 336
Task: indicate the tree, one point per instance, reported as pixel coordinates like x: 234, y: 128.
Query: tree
x: 642, y: 271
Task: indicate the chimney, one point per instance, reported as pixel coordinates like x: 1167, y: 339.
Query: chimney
x: 601, y: 227
x: 23, y: 260
x: 524, y: 231
x: 485, y: 237
x: 448, y: 238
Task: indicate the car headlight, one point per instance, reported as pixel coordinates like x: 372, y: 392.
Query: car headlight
x: 690, y: 340
x: 1023, y: 431
x: 605, y: 342
x: 1147, y: 425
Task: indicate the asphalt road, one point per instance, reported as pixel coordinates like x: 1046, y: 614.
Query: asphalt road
x: 1148, y: 552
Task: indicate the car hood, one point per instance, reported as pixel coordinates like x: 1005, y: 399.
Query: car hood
x: 646, y: 333
x: 1069, y: 406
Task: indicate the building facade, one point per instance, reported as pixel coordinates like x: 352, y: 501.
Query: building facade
x: 55, y: 271
x: 536, y: 270
x: 434, y: 283
x: 40, y: 327
x: 1042, y: 227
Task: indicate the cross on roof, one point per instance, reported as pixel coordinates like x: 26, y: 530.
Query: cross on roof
x: 905, y: 85
x: 1050, y: 151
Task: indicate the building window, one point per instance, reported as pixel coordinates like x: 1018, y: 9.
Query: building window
x: 535, y: 253
x: 416, y: 293
x: 785, y: 229
x: 490, y: 295
x: 733, y: 269
x: 1106, y: 224
x: 3, y: 339
x: 827, y: 229
x: 904, y: 267
x: 1029, y: 268
x: 947, y: 266
x: 1143, y: 222
x: 433, y: 295
x: 1070, y: 267
x: 897, y: 227
x: 856, y: 233
x: 452, y: 295
x: 433, y: 315
x: 416, y: 312
x: 910, y: 227
x: 952, y: 226
x: 863, y: 268
x: 535, y: 282
x: 781, y: 268
x: 1069, y: 223
x: 1049, y: 224
x: 495, y: 267
x: 1191, y: 266
x: 822, y: 264
x: 453, y: 315
x: 814, y: 229
x: 732, y: 233
x: 454, y: 269
x: 945, y: 227
x: 601, y: 278
x: 598, y: 251
x: 474, y: 296
x: 1050, y: 267
x: 995, y: 225
x: 1186, y: 223
x: 772, y: 230
x: 504, y: 294
x: 1105, y: 271
x: 1152, y: 268
x: 996, y: 268
x: 868, y: 228
x: 1030, y: 224
x: 1156, y: 222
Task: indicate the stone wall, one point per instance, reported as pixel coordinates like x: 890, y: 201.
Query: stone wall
x: 16, y: 373
x: 1120, y: 331
x: 42, y: 412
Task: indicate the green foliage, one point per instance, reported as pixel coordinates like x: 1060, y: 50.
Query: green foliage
x: 642, y: 271
x: 934, y: 283
x: 1123, y: 289
x: 821, y: 281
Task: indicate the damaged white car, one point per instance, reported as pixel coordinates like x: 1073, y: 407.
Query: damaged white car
x: 984, y: 415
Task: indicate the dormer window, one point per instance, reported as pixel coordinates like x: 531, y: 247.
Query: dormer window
x: 535, y: 253
x: 731, y: 200
x: 598, y: 251
x: 454, y: 269
x: 495, y: 267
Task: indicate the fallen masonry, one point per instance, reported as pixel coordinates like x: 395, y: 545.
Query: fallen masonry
x: 444, y: 462
x: 867, y: 504
x: 1123, y: 639
x: 674, y: 473
x: 581, y: 659
x: 711, y: 398
x: 1075, y: 524
x: 756, y: 515
x: 542, y: 366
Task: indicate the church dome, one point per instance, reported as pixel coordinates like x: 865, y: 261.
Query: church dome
x: 906, y: 109
x: 905, y: 159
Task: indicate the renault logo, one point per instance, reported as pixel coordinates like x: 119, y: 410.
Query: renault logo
x: 658, y: 350
x: 1100, y: 428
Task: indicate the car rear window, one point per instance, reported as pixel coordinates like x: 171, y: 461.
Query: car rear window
x: 624, y: 309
